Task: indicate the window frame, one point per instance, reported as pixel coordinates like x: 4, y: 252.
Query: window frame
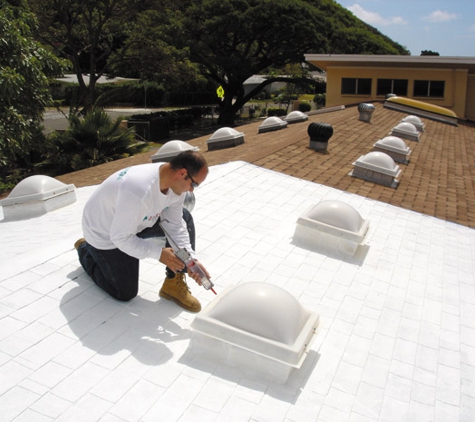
x: 393, y: 90
x: 358, y: 85
x: 431, y: 88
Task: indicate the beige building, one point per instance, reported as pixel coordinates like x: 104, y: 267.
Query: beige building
x: 443, y: 81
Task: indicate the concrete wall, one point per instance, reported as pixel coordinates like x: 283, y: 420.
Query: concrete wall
x: 470, y: 102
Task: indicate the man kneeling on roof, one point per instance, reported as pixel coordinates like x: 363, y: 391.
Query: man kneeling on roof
x: 122, y: 216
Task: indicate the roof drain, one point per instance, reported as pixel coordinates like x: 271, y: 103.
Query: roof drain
x: 244, y: 326
x: 35, y: 196
x: 331, y: 226
x: 377, y: 167
x: 170, y: 150
x: 395, y: 147
x: 225, y: 137
x: 272, y: 123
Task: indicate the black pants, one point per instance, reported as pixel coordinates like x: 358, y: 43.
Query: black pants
x: 118, y: 273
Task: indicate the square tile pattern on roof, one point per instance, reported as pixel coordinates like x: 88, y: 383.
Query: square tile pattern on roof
x: 397, y: 335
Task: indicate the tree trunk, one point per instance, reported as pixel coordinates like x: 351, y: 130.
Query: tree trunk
x: 227, y: 110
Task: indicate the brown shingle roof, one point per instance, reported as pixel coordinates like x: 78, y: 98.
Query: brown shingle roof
x: 438, y: 181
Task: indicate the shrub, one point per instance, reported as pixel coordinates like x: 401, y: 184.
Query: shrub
x: 276, y: 112
x: 304, y: 106
x: 89, y: 141
x: 319, y: 100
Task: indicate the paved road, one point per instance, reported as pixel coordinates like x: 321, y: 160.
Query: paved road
x: 56, y: 120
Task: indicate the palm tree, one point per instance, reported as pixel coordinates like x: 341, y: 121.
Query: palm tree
x: 89, y: 141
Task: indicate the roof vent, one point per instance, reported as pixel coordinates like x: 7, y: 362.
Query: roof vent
x: 320, y: 134
x: 366, y: 111
x: 332, y: 226
x: 171, y: 149
x: 416, y: 121
x: 225, y: 137
x: 272, y: 123
x: 406, y: 130
x: 35, y: 196
x: 377, y: 167
x: 395, y: 147
x: 295, y: 117
x: 245, y: 326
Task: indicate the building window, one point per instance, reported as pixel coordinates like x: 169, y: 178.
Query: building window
x: 356, y: 86
x: 429, y: 88
x: 392, y: 86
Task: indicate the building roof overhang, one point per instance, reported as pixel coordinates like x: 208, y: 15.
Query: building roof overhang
x: 324, y: 61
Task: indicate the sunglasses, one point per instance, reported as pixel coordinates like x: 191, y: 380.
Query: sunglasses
x: 194, y: 185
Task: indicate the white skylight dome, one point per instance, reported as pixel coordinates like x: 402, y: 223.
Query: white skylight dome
x: 296, y: 116
x: 272, y: 123
x: 256, y: 308
x: 35, y: 196
x: 379, y: 161
x: 406, y: 130
x: 225, y: 137
x: 393, y: 142
x: 331, y: 226
x: 376, y: 167
x: 395, y: 147
x: 337, y: 214
x: 172, y: 149
x: 250, y: 326
x: 416, y: 121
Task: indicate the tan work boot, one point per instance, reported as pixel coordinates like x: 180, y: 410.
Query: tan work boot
x: 177, y: 290
x: 79, y: 242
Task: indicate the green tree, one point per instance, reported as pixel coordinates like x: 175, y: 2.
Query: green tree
x: 299, y: 79
x: 85, y: 32
x: 147, y: 56
x: 231, y: 40
x: 349, y: 35
x: 429, y: 53
x: 24, y: 69
x: 89, y: 141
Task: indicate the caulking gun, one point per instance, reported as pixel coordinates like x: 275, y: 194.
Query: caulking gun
x: 191, y: 264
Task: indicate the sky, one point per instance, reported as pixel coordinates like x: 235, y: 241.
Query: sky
x: 446, y: 27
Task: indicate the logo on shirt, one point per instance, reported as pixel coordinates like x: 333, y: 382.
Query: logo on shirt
x: 151, y: 217
x: 123, y: 173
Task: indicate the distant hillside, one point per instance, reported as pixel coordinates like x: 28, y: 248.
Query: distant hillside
x: 346, y: 34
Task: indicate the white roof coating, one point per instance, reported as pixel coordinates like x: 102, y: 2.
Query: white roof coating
x: 397, y: 331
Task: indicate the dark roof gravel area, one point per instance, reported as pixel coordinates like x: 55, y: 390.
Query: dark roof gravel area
x: 439, y: 179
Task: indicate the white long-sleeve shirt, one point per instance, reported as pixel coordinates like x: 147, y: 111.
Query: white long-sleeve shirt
x: 127, y: 202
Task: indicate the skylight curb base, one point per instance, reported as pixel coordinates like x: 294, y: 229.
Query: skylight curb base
x: 225, y: 137
x: 377, y: 167
x: 406, y: 130
x: 239, y: 346
x: 35, y: 196
x: 394, y: 147
x: 375, y: 177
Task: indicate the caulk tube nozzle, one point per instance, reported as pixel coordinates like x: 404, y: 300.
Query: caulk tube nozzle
x: 205, y: 281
